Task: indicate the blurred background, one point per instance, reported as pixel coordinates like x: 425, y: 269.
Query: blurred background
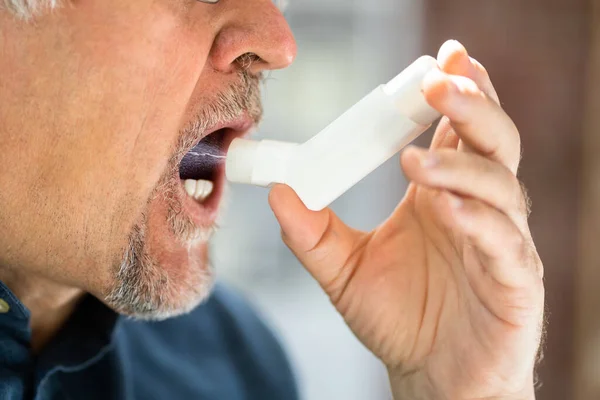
x: 543, y: 59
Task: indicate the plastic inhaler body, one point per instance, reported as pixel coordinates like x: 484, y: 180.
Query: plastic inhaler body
x: 346, y: 151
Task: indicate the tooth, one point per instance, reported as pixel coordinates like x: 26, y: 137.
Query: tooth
x: 190, y: 187
x: 203, y: 189
x: 199, y: 189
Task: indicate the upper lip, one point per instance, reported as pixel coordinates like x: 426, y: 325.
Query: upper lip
x: 237, y: 127
x: 240, y: 125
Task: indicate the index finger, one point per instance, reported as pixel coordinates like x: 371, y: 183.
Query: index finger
x: 476, y: 118
x: 454, y: 59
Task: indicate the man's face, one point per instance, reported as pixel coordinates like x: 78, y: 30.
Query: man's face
x: 99, y: 102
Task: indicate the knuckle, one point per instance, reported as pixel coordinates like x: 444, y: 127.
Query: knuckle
x: 529, y: 256
x: 516, y: 194
x: 518, y: 242
x: 524, y: 201
x: 516, y: 134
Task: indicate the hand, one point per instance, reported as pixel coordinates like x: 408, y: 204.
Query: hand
x: 448, y: 291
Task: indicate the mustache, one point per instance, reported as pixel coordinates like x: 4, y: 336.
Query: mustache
x: 242, y: 97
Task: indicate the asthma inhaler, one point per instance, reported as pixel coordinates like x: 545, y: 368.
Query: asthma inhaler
x: 347, y: 150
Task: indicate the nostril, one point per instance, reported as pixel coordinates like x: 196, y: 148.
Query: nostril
x: 247, y: 60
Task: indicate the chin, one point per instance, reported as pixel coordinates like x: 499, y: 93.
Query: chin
x: 161, y: 276
x: 165, y: 269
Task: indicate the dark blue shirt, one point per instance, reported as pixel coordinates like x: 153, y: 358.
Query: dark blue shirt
x: 221, y: 350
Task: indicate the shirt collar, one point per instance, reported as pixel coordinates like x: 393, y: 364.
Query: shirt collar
x: 84, y: 336
x: 14, y: 318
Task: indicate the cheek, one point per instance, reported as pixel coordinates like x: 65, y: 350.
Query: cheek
x: 108, y: 114
x: 143, y: 74
x: 138, y: 69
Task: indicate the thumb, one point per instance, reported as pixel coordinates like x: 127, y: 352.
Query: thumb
x: 319, y: 239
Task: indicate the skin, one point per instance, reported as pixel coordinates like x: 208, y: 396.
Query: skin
x: 448, y: 292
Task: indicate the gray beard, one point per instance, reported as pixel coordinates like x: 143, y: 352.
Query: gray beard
x: 142, y: 288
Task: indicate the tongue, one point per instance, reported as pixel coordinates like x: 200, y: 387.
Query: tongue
x: 201, y: 161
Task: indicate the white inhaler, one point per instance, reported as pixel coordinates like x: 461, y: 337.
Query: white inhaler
x: 347, y: 150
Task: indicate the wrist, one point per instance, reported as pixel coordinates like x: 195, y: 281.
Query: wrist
x: 416, y: 386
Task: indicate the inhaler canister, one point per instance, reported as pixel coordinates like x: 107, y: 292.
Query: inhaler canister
x: 347, y: 150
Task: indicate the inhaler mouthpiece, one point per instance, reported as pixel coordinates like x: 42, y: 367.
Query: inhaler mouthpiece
x: 347, y: 150
x: 260, y: 163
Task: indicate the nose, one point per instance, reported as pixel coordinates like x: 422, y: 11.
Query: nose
x: 254, y: 28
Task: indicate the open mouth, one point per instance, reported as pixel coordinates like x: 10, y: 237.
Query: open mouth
x: 202, y: 170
